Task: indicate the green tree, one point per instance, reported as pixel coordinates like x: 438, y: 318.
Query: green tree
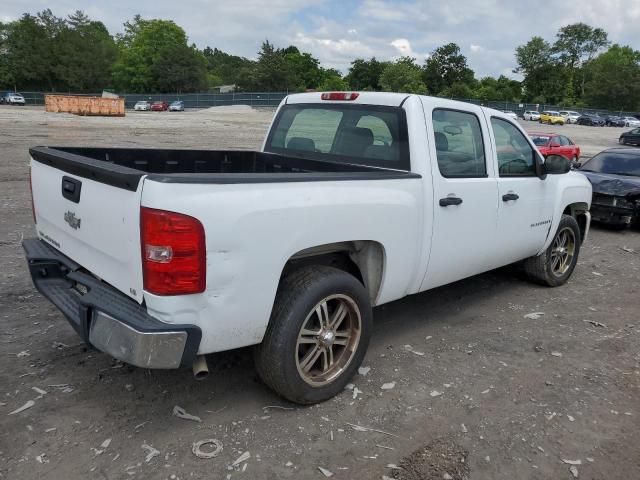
x: 305, y: 66
x: 332, y: 81
x: 403, y: 76
x: 544, y: 77
x: 86, y: 53
x: 615, y: 79
x: 576, y: 44
x: 272, y: 72
x: 502, y: 88
x: 146, y: 51
x: 445, y: 67
x: 365, y: 74
x: 225, y: 68
x: 29, y: 44
x: 180, y: 68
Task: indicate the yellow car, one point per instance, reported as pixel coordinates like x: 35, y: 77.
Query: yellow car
x: 551, y: 117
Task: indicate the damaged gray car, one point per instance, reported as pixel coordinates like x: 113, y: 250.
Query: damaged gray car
x: 615, y: 177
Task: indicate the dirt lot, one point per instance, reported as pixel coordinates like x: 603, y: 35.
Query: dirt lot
x: 481, y: 391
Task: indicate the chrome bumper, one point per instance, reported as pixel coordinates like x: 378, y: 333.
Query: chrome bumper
x: 142, y: 349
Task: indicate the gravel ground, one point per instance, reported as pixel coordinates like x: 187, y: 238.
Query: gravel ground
x: 481, y: 389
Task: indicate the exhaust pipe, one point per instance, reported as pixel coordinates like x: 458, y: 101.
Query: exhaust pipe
x: 200, y: 368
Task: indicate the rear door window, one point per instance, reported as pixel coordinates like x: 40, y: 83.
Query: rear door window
x: 459, y: 144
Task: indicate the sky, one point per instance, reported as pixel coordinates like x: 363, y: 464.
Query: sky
x: 338, y: 31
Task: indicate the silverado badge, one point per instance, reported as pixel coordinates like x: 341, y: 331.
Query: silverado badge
x: 71, y: 219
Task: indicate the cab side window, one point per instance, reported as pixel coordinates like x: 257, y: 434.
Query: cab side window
x: 459, y: 144
x: 516, y: 157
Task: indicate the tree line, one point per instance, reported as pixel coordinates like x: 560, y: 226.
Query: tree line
x: 78, y: 54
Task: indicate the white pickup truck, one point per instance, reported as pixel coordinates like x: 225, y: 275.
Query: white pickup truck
x: 158, y: 257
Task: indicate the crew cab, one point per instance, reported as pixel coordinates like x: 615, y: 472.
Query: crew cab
x: 354, y: 200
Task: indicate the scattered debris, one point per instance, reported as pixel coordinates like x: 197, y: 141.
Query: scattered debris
x: 464, y: 429
x: 435, y: 393
x: 42, y: 458
x: 572, y: 462
x: 597, y: 274
x: 574, y: 471
x: 29, y: 404
x: 368, y: 429
x: 151, y: 452
x: 534, y: 315
x: 388, y: 386
x: 556, y: 354
x: 446, y: 476
x: 289, y: 464
x: 363, y: 370
x: 440, y: 459
x: 181, y: 413
x: 49, y: 430
x: 550, y: 416
x: 589, y: 459
x: 484, y: 392
x: 628, y: 250
x: 386, y: 448
x: 139, y: 426
x: 409, y: 348
x: 356, y: 391
x: 487, y: 459
x: 242, y: 458
x: 597, y: 324
x: 197, y: 450
x: 277, y: 406
x: 59, y: 345
x: 325, y: 472
x: 428, y: 337
x: 39, y: 391
x: 570, y: 418
x: 22, y: 354
x: 129, y: 387
x: 103, y: 446
x: 393, y: 466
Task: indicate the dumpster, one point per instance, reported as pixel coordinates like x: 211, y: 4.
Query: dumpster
x: 84, y: 105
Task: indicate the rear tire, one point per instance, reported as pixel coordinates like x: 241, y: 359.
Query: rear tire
x: 556, y: 264
x: 317, y: 336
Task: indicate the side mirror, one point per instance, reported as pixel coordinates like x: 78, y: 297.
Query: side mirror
x: 557, y: 164
x: 539, y: 164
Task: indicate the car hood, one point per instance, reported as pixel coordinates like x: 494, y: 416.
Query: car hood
x: 608, y: 184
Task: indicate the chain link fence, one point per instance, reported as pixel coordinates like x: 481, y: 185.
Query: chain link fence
x: 272, y: 99
x: 191, y: 100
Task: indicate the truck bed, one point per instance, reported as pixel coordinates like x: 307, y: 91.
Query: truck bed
x: 123, y: 167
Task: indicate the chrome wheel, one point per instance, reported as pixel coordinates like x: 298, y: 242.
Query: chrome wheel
x: 562, y: 251
x: 328, y: 340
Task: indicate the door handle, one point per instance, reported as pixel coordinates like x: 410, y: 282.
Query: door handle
x: 446, y: 201
x: 510, y: 196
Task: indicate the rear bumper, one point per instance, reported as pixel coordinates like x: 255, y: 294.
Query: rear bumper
x: 104, y: 317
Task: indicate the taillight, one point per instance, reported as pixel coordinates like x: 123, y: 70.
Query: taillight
x: 33, y: 207
x: 173, y: 253
x: 339, y: 95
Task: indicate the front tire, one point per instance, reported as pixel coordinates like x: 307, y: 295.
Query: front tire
x: 556, y: 264
x: 317, y: 336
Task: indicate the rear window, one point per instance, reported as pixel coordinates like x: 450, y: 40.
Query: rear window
x: 540, y: 140
x: 360, y: 134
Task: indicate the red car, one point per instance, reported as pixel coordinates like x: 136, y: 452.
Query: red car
x: 160, y: 106
x: 554, y: 144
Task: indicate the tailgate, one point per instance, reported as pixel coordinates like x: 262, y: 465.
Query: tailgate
x: 96, y: 224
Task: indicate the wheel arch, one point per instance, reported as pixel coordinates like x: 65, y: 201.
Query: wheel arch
x: 579, y: 211
x: 364, y: 259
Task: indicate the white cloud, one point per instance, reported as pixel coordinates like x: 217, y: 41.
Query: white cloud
x: 488, y: 31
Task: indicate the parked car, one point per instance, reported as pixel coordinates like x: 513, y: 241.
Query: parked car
x: 554, y: 144
x: 591, y: 119
x: 142, y: 105
x: 631, y: 137
x: 551, y: 117
x: 631, y: 122
x: 510, y: 114
x: 14, y: 98
x: 614, y: 121
x: 531, y: 115
x: 176, y: 106
x: 160, y: 278
x: 160, y: 106
x: 615, y: 177
x: 569, y: 116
